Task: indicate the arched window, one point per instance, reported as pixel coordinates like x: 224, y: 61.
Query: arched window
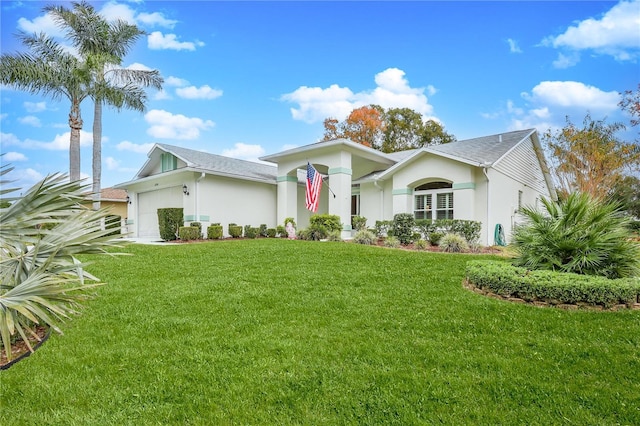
x: 433, y: 200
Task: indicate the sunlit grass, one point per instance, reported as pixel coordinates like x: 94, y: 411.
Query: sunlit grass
x: 292, y: 332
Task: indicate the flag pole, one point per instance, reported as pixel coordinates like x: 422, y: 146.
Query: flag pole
x: 328, y: 187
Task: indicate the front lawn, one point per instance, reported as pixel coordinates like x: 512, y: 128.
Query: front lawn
x: 273, y: 331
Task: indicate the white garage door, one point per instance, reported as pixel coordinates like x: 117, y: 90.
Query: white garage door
x: 148, y: 205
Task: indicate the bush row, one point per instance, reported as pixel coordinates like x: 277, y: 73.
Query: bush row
x: 507, y: 280
x: 407, y: 229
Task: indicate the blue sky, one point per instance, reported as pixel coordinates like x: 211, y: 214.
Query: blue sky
x: 247, y: 79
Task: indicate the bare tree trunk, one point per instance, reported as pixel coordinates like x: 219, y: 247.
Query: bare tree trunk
x: 75, y: 123
x: 97, y: 152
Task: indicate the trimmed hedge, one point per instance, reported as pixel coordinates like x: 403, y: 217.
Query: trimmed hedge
x: 169, y: 220
x: 214, y: 232
x: 507, y: 280
x: 188, y: 233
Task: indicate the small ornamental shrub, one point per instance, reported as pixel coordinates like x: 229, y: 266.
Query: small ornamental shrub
x: 281, y: 231
x: 262, y: 230
x: 421, y: 244
x: 383, y: 227
x: 402, y: 227
x: 365, y: 237
x: 169, y: 220
x: 291, y: 221
x: 334, y: 236
x: 391, y: 242
x: 435, y: 237
x: 188, y: 233
x: 197, y: 225
x: 271, y: 232
x: 315, y: 232
x: 330, y: 222
x: 214, y: 232
x: 453, y: 243
x: 251, y: 232
x: 235, y: 231
x: 578, y: 234
x: 425, y: 227
x: 359, y: 223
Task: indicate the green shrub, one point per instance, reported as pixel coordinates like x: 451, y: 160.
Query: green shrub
x: 383, y: 227
x: 188, y: 233
x: 315, y: 232
x: 262, y: 230
x: 235, y: 231
x: 330, y: 222
x: 197, y: 225
x: 391, y: 242
x: 281, y: 231
x: 421, y: 244
x: 435, y: 237
x: 271, y: 232
x: 578, y: 234
x: 359, y: 223
x: 402, y: 227
x: 365, y: 237
x: 289, y: 220
x: 425, y: 227
x: 468, y: 229
x: 453, y: 243
x: 334, y: 236
x: 549, y: 286
x: 169, y: 220
x: 251, y: 232
x: 214, y: 232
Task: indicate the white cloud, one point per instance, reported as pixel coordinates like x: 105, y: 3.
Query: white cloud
x: 161, y: 95
x: 43, y: 23
x: 550, y: 102
x: 175, y: 81
x: 142, y: 148
x: 14, y: 156
x: 614, y: 34
x: 392, y: 91
x: 111, y: 163
x: 35, y: 106
x: 158, y: 41
x: 573, y: 94
x: 30, y: 120
x: 155, y: 18
x: 166, y: 125
x: 202, y: 92
x: 244, y: 151
x: 566, y: 61
x: 59, y: 142
x: 113, y: 11
x: 288, y: 146
x: 513, y: 46
x: 26, y: 177
x: 138, y: 66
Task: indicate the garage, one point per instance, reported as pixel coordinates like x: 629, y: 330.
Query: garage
x: 148, y: 205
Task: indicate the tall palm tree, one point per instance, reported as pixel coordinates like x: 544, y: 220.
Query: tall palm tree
x: 52, y: 71
x: 103, y: 45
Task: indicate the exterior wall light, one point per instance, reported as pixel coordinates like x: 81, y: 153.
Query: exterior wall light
x: 185, y: 189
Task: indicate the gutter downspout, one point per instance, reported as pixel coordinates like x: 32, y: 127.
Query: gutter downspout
x: 375, y: 183
x: 485, y: 166
x: 198, y: 196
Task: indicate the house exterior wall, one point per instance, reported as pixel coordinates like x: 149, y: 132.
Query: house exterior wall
x: 225, y: 200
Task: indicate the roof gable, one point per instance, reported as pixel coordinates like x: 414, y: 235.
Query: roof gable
x: 210, y: 163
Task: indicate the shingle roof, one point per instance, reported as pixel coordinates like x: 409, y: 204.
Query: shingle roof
x: 482, y: 150
x: 113, y: 194
x: 218, y: 164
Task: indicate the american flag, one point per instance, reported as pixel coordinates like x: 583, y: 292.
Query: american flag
x: 314, y: 183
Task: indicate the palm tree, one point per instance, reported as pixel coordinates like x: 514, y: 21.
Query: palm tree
x: 41, y: 279
x: 52, y: 71
x: 103, y: 45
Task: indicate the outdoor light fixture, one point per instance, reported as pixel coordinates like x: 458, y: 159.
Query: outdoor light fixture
x: 128, y: 200
x: 185, y: 190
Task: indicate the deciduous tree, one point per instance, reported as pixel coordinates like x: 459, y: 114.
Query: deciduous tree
x: 590, y: 159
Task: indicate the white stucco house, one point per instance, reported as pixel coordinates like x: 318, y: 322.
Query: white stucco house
x: 486, y: 179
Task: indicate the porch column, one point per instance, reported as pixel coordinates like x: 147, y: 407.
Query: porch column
x: 287, y: 197
x: 340, y: 183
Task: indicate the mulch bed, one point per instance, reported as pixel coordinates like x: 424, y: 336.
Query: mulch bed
x: 20, y: 350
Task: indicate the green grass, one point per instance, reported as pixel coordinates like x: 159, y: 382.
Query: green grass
x: 292, y: 332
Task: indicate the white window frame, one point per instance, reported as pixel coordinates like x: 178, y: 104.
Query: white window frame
x: 433, y: 195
